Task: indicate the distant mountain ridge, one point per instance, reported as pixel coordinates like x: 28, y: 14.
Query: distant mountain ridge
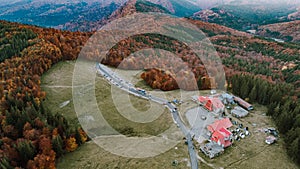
x: 249, y: 14
x: 78, y: 15
x: 83, y: 15
x: 287, y: 31
x: 245, y: 16
x: 131, y: 6
x: 57, y: 13
x: 89, y: 26
x: 164, y: 3
x: 184, y: 8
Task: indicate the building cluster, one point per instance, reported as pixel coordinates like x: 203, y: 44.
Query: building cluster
x: 216, y: 104
x: 221, y: 132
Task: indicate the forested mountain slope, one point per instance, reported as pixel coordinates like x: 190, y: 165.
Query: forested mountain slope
x: 245, y: 16
x: 30, y: 135
x: 287, y: 31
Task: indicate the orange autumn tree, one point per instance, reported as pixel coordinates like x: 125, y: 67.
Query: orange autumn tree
x: 27, y: 139
x: 83, y: 135
x: 57, y: 143
x: 45, y: 158
x: 71, y: 144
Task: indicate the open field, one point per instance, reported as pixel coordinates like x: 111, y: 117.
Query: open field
x: 250, y: 152
x: 57, y: 83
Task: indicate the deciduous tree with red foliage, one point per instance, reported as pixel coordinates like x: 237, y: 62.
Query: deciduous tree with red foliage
x: 26, y: 130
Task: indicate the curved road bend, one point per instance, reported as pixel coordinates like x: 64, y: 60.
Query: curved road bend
x: 128, y: 87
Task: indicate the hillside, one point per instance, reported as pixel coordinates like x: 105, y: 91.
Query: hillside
x: 259, y: 69
x: 128, y: 8
x: 30, y: 135
x: 239, y: 51
x: 146, y: 6
x: 164, y: 3
x: 182, y: 8
x: 244, y: 16
x: 59, y: 13
x: 89, y: 15
x: 288, y: 31
x: 83, y: 15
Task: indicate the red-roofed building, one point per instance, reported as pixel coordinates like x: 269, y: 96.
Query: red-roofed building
x: 219, y: 131
x: 222, y: 137
x: 212, y: 104
x: 243, y: 103
x: 202, y: 99
x: 218, y: 124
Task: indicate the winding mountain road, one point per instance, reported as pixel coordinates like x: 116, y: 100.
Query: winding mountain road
x: 128, y: 87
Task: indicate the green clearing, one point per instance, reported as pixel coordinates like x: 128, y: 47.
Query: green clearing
x: 250, y: 152
x: 57, y: 83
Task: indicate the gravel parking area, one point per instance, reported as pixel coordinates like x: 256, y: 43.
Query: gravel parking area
x: 198, y: 119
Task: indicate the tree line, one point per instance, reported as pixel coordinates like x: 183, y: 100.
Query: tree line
x: 32, y: 136
x: 14, y: 40
x: 283, y: 106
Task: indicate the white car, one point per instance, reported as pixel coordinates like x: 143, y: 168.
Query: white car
x: 242, y: 135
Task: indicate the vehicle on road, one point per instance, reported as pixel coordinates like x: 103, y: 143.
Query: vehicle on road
x: 143, y: 94
x: 141, y: 91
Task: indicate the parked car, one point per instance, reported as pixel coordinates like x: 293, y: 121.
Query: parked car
x: 242, y: 135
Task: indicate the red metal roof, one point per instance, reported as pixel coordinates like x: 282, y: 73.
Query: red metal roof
x: 222, y: 137
x: 218, y: 124
x: 225, y: 132
x: 243, y: 103
x: 217, y: 103
x: 202, y: 99
x: 211, y: 103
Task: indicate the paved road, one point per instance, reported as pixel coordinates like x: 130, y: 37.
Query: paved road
x: 186, y: 132
x: 128, y: 87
